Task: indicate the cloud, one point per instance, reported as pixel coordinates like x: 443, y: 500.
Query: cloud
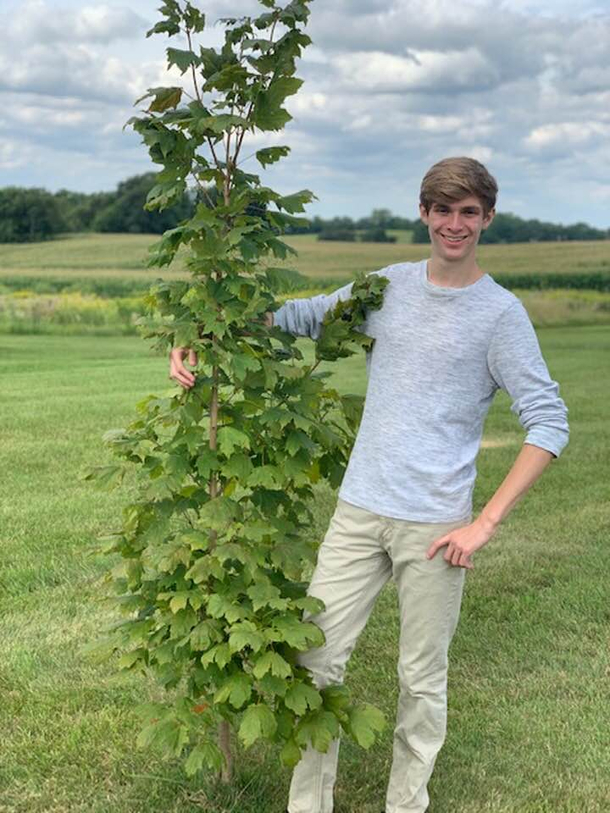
x: 567, y: 134
x: 36, y: 21
x: 418, y: 70
x: 390, y: 87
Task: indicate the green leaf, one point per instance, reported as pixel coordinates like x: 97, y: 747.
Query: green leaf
x: 230, y: 439
x: 205, y: 754
x: 130, y: 659
x: 299, y: 634
x: 243, y: 363
x: 239, y: 466
x: 164, y: 98
x: 236, y: 690
x: 220, y: 655
x: 271, y: 154
x: 245, y: 634
x: 178, y: 602
x: 169, y: 27
x: 181, y: 59
x: 319, y: 728
x: 290, y: 755
x: 258, y: 723
x: 207, y: 462
x: 268, y: 112
x: 310, y: 604
x: 298, y: 440
x: 302, y: 696
x: 217, y: 513
x: 364, y: 724
x: 219, y: 606
x: 223, y: 122
x: 267, y: 477
x: 296, y: 202
x: 274, y: 663
x: 270, y: 684
x: 200, y: 636
x: 106, y: 477
x: 265, y: 594
x: 335, y: 698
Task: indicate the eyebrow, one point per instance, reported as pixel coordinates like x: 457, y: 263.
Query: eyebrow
x: 471, y: 207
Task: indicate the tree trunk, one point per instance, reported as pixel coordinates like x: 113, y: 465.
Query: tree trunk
x: 224, y: 729
x: 224, y: 741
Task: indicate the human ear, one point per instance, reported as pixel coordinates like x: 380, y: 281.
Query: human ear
x: 488, y: 218
x: 423, y: 213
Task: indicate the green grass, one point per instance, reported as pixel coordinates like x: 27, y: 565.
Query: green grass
x: 528, y: 719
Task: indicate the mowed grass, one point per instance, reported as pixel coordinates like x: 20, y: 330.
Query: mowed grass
x: 529, y: 714
x: 123, y: 256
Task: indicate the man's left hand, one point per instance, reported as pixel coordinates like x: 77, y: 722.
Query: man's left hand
x: 461, y: 543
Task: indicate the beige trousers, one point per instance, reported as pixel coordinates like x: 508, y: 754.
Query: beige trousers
x: 360, y: 552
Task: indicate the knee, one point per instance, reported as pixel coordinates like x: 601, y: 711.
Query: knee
x: 426, y: 679
x: 327, y: 668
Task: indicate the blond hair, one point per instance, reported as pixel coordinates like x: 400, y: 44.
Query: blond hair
x: 453, y: 179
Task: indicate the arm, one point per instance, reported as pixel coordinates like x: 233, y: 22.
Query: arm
x: 301, y: 317
x: 304, y: 317
x: 463, y: 542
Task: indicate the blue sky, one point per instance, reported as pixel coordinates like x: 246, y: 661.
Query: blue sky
x: 390, y: 87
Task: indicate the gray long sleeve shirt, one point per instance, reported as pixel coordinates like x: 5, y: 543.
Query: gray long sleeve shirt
x: 439, y: 357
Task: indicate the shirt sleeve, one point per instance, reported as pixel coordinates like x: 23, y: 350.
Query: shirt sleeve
x: 304, y: 317
x: 517, y: 366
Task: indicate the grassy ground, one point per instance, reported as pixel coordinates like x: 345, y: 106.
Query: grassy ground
x: 529, y: 717
x: 123, y: 257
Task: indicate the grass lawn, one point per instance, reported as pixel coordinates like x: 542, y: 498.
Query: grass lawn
x: 529, y: 713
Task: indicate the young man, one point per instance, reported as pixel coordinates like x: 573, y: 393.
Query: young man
x: 446, y: 339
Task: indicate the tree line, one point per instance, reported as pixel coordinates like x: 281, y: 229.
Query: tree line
x: 32, y: 214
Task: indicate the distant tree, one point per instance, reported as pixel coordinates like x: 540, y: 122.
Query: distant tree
x: 126, y: 212
x: 345, y: 235
x: 79, y: 209
x: 29, y: 215
x: 377, y: 235
x: 420, y: 232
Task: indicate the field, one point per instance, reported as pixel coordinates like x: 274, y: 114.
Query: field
x: 94, y: 283
x: 123, y: 256
x: 528, y: 709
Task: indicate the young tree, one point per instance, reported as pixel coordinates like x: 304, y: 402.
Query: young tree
x: 214, y: 545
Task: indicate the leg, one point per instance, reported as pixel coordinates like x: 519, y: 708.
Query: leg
x: 429, y: 594
x: 352, y: 568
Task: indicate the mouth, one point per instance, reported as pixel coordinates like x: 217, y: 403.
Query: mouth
x: 451, y: 239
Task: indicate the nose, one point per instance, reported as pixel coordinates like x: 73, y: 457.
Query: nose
x: 455, y: 222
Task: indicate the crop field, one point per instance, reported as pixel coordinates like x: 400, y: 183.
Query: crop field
x: 95, y: 283
x: 96, y: 256
x: 529, y: 717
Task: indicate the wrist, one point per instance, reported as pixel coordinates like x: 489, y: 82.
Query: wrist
x: 488, y: 522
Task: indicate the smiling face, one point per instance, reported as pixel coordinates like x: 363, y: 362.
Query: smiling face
x: 455, y: 228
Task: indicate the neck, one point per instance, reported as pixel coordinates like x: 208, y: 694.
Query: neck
x: 457, y: 274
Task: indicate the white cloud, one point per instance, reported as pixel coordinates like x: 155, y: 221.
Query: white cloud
x: 567, y: 133
x: 38, y: 21
x: 435, y: 71
x: 391, y: 86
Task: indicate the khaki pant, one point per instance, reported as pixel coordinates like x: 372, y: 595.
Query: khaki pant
x: 357, y: 557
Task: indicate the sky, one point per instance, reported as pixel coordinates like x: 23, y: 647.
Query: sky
x: 390, y: 87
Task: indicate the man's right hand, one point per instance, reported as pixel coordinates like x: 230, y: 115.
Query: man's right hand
x: 178, y: 371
